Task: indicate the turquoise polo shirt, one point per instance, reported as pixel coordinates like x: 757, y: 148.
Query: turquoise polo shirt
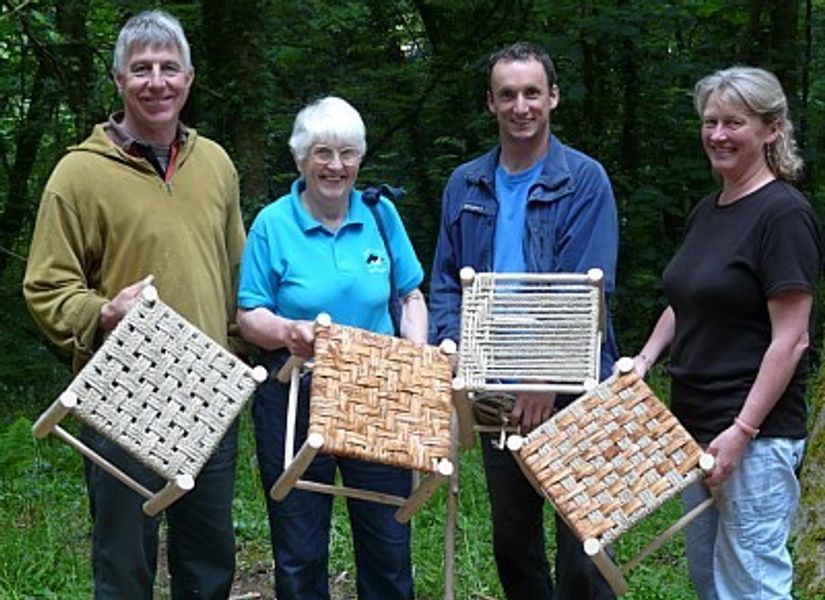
x: 297, y: 268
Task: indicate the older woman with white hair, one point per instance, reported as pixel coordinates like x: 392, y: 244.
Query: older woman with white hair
x: 741, y: 289
x: 320, y: 249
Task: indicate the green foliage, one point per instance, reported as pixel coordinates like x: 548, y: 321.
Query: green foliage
x: 44, y: 518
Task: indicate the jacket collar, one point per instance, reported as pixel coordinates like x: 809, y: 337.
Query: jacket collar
x: 124, y: 138
x: 101, y: 142
x: 555, y: 175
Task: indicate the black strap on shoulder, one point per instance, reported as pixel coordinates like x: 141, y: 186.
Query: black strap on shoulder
x: 371, y: 196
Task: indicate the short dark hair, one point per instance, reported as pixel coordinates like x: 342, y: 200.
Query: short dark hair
x: 522, y: 51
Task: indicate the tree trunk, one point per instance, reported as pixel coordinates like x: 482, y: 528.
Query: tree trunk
x: 64, y: 69
x: 234, y: 35
x: 75, y: 68
x: 808, y: 536
x: 784, y: 18
x: 18, y: 207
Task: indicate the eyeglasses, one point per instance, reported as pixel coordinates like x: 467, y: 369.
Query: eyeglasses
x: 323, y: 155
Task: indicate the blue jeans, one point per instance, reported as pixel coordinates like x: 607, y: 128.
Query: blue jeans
x: 519, y: 542
x: 737, y: 549
x: 299, y: 524
x: 201, y: 535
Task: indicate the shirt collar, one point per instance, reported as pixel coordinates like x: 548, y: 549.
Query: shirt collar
x: 356, y: 215
x: 123, y: 138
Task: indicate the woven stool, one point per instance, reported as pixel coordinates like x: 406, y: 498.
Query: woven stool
x: 160, y: 389
x: 520, y: 332
x: 610, y: 459
x: 527, y: 332
x: 376, y: 398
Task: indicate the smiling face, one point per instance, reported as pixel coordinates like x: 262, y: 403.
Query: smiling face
x: 330, y: 171
x: 734, y: 138
x: 521, y: 99
x: 154, y: 87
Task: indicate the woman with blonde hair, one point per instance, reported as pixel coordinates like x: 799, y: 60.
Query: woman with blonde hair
x: 740, y: 291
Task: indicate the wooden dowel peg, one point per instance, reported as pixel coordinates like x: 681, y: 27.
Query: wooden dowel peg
x: 296, y: 468
x: 467, y: 275
x: 54, y: 414
x: 707, y: 462
x: 170, y: 492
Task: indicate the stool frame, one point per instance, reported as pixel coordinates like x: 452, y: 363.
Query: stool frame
x: 438, y: 464
x: 160, y: 389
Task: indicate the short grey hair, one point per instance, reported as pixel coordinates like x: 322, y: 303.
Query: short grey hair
x: 759, y: 92
x: 329, y: 119
x: 150, y: 28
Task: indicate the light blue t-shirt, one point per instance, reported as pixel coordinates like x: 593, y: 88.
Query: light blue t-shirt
x: 512, y: 191
x: 297, y: 268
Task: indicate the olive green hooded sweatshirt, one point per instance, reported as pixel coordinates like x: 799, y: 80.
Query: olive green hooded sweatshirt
x: 107, y: 220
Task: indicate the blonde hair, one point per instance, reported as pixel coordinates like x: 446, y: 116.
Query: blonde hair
x: 760, y: 92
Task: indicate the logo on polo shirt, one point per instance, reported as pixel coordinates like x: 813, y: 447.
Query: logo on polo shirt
x: 375, y: 260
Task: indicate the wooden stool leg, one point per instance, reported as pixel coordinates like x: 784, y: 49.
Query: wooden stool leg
x: 461, y: 403
x: 54, y: 414
x: 170, y: 492
x: 100, y: 461
x: 452, y: 516
x: 606, y: 566
x: 423, y: 492
x: 291, y: 412
x: 297, y: 467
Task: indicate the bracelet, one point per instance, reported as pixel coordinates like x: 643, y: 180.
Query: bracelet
x: 646, y: 360
x: 748, y: 429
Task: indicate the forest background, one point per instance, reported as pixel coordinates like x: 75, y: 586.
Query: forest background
x: 415, y: 70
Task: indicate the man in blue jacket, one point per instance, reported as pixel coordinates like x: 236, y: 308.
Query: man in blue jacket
x: 531, y: 204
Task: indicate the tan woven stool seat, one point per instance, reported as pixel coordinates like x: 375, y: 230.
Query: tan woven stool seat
x: 160, y: 389
x: 610, y: 459
x: 376, y: 398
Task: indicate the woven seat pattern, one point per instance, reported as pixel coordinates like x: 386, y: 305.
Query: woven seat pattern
x: 529, y: 330
x: 162, y: 389
x: 380, y: 398
x: 611, y: 458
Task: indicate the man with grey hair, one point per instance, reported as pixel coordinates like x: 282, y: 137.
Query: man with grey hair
x: 144, y: 195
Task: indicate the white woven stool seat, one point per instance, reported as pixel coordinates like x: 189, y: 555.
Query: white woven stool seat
x: 159, y: 388
x: 523, y: 330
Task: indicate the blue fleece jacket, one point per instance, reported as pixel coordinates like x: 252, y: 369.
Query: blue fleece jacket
x: 571, y: 226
